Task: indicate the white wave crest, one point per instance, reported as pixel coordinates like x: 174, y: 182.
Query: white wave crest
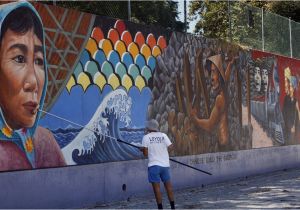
x: 116, y: 102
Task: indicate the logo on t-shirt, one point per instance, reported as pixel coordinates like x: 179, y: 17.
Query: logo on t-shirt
x: 156, y: 140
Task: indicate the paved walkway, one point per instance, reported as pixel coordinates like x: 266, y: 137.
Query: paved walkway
x: 280, y: 189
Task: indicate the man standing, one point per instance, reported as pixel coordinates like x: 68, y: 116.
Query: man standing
x: 155, y: 147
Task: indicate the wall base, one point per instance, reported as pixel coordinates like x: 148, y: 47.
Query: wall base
x: 84, y: 186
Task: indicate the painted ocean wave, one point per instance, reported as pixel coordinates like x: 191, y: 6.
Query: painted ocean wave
x: 65, y: 136
x: 97, y: 143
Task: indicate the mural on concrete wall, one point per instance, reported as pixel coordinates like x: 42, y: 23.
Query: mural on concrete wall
x: 274, y: 101
x: 107, y: 93
x: 197, y: 95
x: 86, y: 83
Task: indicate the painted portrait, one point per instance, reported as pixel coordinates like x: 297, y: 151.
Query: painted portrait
x: 275, y: 105
x: 23, y: 79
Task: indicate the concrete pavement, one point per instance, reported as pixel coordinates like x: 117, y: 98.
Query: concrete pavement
x: 279, y: 189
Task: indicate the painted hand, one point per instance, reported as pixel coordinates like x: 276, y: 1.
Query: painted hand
x: 193, y: 114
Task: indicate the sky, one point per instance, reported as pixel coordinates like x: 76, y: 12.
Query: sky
x: 181, y: 14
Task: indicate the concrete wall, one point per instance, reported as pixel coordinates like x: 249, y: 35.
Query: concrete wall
x: 85, y: 186
x: 123, y: 74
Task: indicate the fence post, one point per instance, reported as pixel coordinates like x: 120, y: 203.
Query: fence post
x: 291, y: 44
x: 184, y: 4
x: 262, y: 29
x: 129, y: 10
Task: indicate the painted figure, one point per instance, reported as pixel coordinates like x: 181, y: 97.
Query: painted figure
x: 257, y: 78
x: 271, y: 106
x: 155, y: 147
x: 23, y: 80
x: 218, y: 115
x: 265, y: 79
x: 290, y: 109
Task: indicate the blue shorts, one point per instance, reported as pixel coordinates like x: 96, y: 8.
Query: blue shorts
x: 157, y: 173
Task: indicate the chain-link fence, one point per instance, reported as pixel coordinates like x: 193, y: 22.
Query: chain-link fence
x: 247, y: 25
x: 295, y: 42
x: 266, y: 31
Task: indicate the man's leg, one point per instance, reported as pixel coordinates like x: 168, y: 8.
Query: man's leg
x: 154, y: 179
x: 169, y: 190
x: 166, y: 178
x: 157, y: 193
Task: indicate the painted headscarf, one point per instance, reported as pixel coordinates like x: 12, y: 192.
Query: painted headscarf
x: 22, y: 137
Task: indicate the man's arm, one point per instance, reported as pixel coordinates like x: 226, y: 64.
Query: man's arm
x: 144, y: 148
x: 145, y: 151
x: 171, y: 148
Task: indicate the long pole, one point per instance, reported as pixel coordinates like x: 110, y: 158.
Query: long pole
x: 190, y: 166
x: 291, y: 44
x: 118, y: 140
x: 171, y: 159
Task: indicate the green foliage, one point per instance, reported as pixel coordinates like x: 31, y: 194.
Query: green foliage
x: 214, y: 22
x: 286, y: 8
x: 104, y: 8
x: 246, y: 25
x: 162, y: 13
x: 213, y: 18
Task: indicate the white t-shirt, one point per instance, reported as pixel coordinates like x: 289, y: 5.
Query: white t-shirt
x: 157, y: 144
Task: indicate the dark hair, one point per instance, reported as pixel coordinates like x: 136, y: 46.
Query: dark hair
x: 21, y: 20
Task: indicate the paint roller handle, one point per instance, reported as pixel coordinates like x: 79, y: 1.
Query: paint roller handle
x: 190, y: 166
x: 119, y: 140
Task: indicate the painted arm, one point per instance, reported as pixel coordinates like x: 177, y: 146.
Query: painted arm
x: 297, y: 115
x: 229, y: 69
x: 217, y: 111
x: 298, y: 110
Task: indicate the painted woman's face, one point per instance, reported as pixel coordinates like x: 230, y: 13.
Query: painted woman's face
x: 22, y: 77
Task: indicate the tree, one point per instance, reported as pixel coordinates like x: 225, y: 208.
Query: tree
x: 245, y: 22
x: 210, y: 13
x: 286, y: 8
x: 162, y: 13
x: 213, y: 18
